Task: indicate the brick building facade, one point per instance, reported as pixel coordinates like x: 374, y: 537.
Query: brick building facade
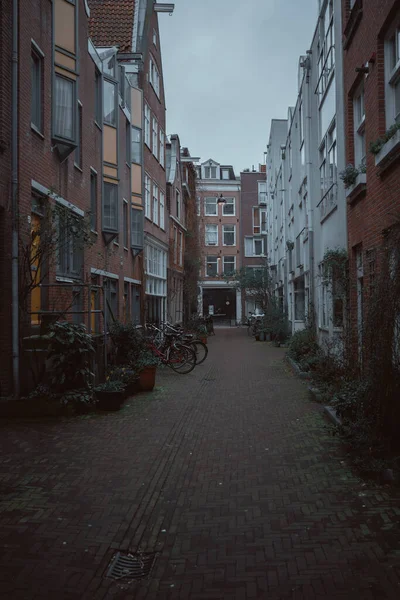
x: 371, y: 35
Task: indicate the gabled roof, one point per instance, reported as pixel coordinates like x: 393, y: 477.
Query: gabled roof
x: 111, y: 23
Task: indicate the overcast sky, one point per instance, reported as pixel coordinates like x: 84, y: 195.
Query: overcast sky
x: 230, y: 66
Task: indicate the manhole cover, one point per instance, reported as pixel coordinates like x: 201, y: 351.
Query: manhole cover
x: 134, y: 566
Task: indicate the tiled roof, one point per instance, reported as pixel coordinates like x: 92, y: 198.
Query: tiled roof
x: 111, y: 23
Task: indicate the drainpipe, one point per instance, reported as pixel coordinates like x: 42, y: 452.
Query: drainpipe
x: 14, y: 204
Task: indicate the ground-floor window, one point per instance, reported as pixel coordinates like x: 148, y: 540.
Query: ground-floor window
x: 299, y: 299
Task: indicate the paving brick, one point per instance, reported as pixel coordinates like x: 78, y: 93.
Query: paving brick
x: 184, y: 471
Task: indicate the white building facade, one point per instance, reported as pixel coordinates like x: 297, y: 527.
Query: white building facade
x: 306, y: 206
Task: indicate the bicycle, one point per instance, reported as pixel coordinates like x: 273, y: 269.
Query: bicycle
x: 179, y: 357
x: 200, y: 348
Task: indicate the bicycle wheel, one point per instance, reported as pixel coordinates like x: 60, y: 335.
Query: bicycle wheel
x: 200, y: 349
x: 182, y: 359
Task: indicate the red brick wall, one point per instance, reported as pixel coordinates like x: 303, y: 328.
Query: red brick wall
x: 248, y: 199
x: 5, y: 196
x: 369, y: 215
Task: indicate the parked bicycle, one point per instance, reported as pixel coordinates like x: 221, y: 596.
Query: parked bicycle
x: 181, y: 358
x: 187, y: 339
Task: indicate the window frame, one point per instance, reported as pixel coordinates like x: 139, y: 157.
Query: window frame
x: 233, y: 203
x: 392, y: 77
x: 228, y: 232
x: 71, y: 251
x: 125, y: 223
x: 109, y: 122
x: 37, y: 56
x: 207, y: 226
x: 162, y: 209
x: 154, y: 131
x: 136, y: 145
x: 178, y: 204
x: 360, y: 148
x: 154, y: 76
x: 155, y: 204
x: 98, y: 97
x: 93, y: 200
x: 136, y: 212
x: 57, y: 135
x: 224, y: 262
x: 147, y: 125
x: 180, y: 235
x: 206, y: 213
x: 162, y: 148
x: 262, y: 195
x: 147, y: 196
x: 212, y: 257
x: 78, y: 158
x: 108, y: 228
x: 255, y: 240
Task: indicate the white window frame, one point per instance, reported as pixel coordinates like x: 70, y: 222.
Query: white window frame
x: 229, y: 232
x: 198, y: 206
x: 210, y: 214
x: 233, y: 203
x: 175, y: 245
x: 392, y: 78
x: 256, y: 239
x: 147, y: 117
x: 206, y: 240
x: 155, y: 204
x: 208, y: 170
x: 225, y: 173
x: 360, y: 150
x: 162, y: 209
x: 217, y: 265
x: 162, y: 148
x: 224, y: 261
x: 178, y: 203
x: 180, y: 249
x: 262, y: 192
x: 155, y: 137
x: 154, y: 77
x: 154, y: 38
x: 147, y: 196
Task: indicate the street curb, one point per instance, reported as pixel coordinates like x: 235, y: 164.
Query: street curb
x: 331, y: 414
x: 296, y: 369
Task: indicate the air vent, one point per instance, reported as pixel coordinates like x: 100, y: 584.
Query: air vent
x: 132, y: 566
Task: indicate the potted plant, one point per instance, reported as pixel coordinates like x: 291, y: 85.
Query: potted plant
x: 147, y: 367
x: 128, y: 376
x: 110, y: 395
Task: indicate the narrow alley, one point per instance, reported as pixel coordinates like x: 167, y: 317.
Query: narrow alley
x: 229, y: 475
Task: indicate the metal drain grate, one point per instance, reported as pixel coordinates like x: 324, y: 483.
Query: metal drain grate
x: 134, y: 566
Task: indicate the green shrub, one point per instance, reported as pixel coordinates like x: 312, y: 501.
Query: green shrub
x: 349, y: 402
x: 128, y: 343
x: 303, y: 344
x: 70, y: 350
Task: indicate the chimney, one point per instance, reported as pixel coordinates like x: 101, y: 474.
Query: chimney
x: 263, y: 168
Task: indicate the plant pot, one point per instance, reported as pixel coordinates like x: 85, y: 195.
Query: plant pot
x: 147, y: 379
x: 257, y: 337
x: 110, y: 400
x: 132, y: 388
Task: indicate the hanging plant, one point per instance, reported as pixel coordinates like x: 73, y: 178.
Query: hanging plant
x: 349, y: 175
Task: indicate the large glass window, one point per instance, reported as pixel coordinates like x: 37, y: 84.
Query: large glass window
x: 155, y: 137
x: 136, y: 145
x: 262, y: 192
x: 211, y: 235
x: 162, y: 148
x: 110, y: 207
x: 136, y: 228
x: 178, y: 204
x: 111, y: 299
x: 229, y: 235
x: 64, y: 104
x: 36, y: 89
x: 93, y: 201
x: 154, y: 77
x: 79, y: 147
x: 69, y: 245
x: 360, y: 151
x: 162, y: 210
x: 211, y: 207
x: 147, y: 195
x: 125, y: 223
x: 155, y: 203
x: 393, y: 79
x: 97, y: 96
x: 210, y: 172
x: 147, y: 125
x: 110, y: 103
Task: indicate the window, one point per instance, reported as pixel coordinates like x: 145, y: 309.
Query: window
x: 228, y: 208
x: 155, y: 203
x: 147, y: 125
x: 258, y: 247
x: 162, y: 148
x: 359, y: 129
x: 64, y: 103
x: 180, y: 249
x: 110, y: 207
x: 262, y: 192
x: 97, y: 97
x: 136, y: 146
x: 110, y: 103
x: 256, y: 221
x: 110, y: 299
x: 162, y: 210
x: 109, y: 66
x: 175, y: 244
x: 225, y: 173
x: 135, y: 304
x: 136, y: 228
x: 299, y: 261
x: 198, y: 206
x: 301, y: 130
x: 212, y: 266
x: 178, y: 204
x: 263, y: 216
x: 69, y: 245
x: 211, y: 235
x: 155, y: 137
x: 198, y: 172
x: 125, y: 223
x: 154, y: 37
x: 392, y: 70
x: 253, y: 247
x: 36, y: 89
x: 299, y: 299
x: 229, y: 264
x: 78, y: 149
x: 210, y: 172
x: 128, y: 142
x: 93, y: 200
x: 147, y: 191
x: 229, y: 235
x: 211, y: 207
x: 154, y: 77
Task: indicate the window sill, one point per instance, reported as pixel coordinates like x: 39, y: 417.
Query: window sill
x: 358, y: 188
x: 62, y: 279
x: 36, y: 130
x: 126, y: 249
x: 94, y: 232
x: 388, y: 152
x: 77, y: 167
x: 326, y: 216
x: 98, y: 125
x: 324, y: 328
x: 116, y: 243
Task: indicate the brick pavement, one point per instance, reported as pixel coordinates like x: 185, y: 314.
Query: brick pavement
x: 228, y: 473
